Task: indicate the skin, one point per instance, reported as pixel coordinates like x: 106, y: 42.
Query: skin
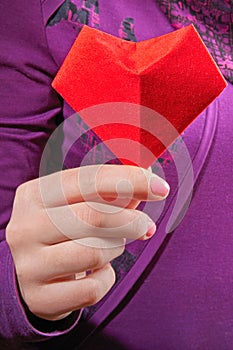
x: 74, y: 221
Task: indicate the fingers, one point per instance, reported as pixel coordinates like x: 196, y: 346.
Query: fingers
x: 94, y: 220
x: 70, y: 295
x: 51, y: 241
x: 71, y: 257
x: 94, y: 183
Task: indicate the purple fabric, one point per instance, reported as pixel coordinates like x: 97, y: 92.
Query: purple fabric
x: 182, y: 298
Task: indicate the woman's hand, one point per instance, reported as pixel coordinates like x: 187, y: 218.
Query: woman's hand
x: 75, y: 221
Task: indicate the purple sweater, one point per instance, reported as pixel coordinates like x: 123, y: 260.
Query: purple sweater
x: 175, y: 291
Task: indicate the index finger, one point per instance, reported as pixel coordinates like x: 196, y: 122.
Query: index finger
x: 99, y: 182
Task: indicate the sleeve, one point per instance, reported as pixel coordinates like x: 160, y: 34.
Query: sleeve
x: 29, y: 112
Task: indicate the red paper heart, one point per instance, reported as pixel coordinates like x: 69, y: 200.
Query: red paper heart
x: 173, y: 75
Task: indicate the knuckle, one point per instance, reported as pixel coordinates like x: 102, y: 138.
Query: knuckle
x: 139, y: 178
x: 10, y: 234
x: 17, y: 232
x: 86, y: 180
x: 98, y: 258
x: 22, y: 192
x: 99, y: 287
x: 27, y: 192
x: 91, y: 216
x: 19, y: 226
x: 96, y: 218
x: 14, y: 234
x: 139, y: 225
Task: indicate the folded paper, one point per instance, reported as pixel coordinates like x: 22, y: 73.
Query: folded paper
x: 146, y: 87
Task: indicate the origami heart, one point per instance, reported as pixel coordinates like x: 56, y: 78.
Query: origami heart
x: 173, y: 75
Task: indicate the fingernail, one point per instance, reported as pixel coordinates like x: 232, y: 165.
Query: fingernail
x: 159, y: 187
x: 151, y: 229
